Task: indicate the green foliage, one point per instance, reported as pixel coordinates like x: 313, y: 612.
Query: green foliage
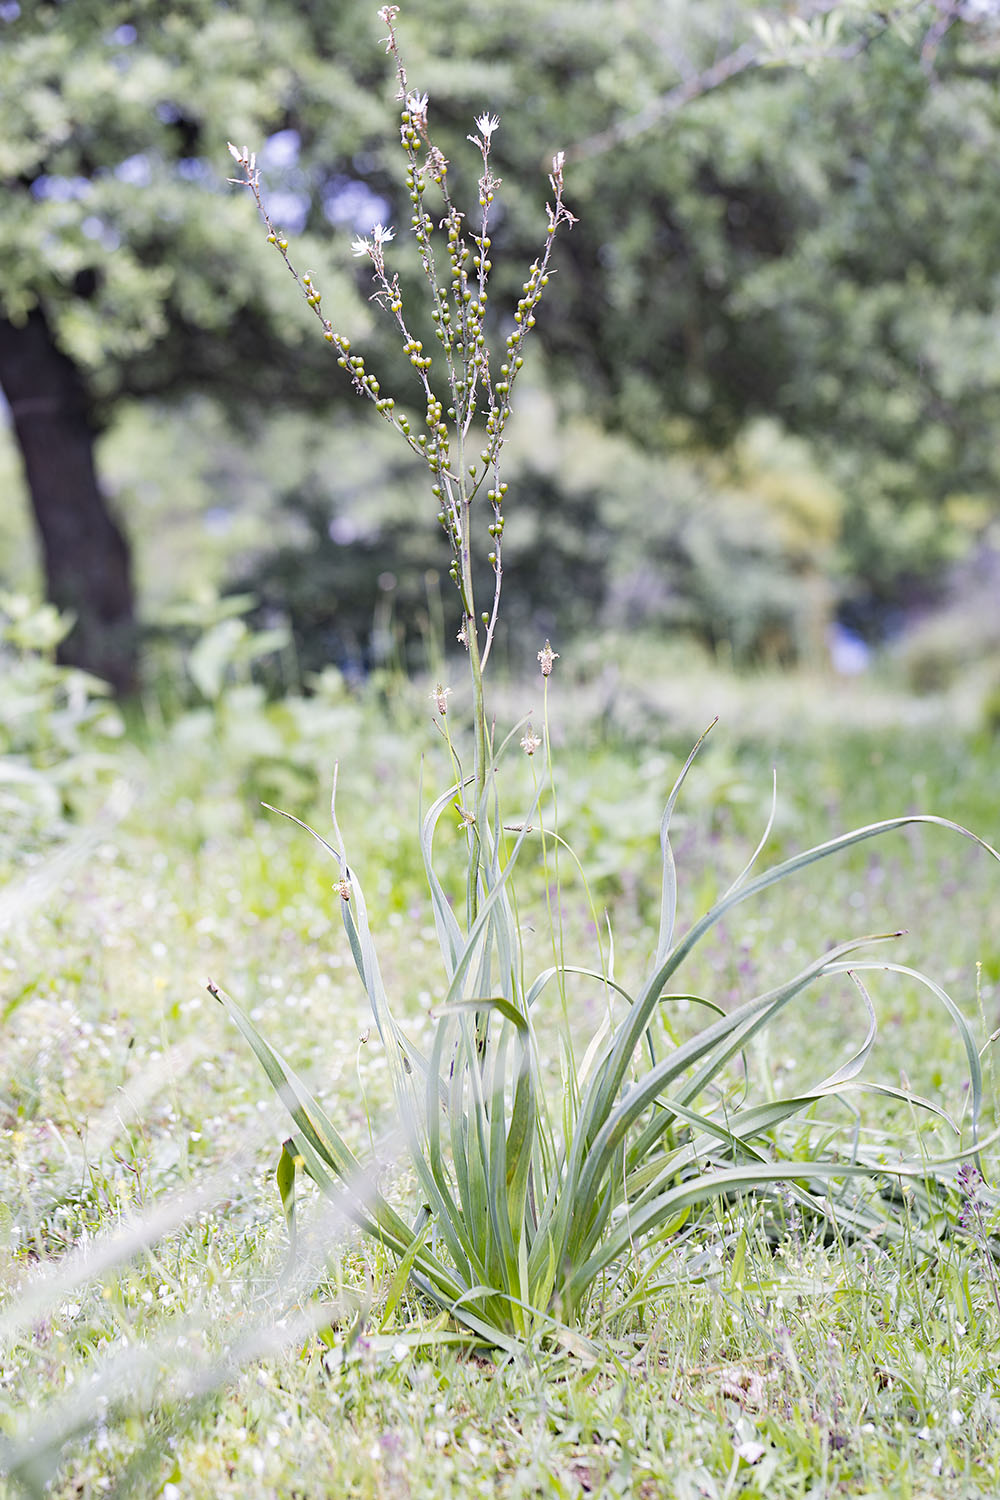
x: 527, y: 1201
x: 116, y: 226
x: 811, y: 240
x: 733, y: 549
x: 224, y: 695
x: 223, y: 649
x: 991, y: 711
x: 802, y: 253
x: 532, y: 1197
x: 137, y: 1155
x: 57, y: 728
x: 594, y: 1180
x: 962, y: 637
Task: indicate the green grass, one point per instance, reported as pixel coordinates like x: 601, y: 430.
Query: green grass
x: 859, y: 1368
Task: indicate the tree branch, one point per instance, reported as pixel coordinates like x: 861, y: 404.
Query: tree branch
x: 743, y: 59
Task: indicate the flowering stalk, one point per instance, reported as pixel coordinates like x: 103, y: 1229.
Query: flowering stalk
x: 458, y: 387
x: 536, y: 1207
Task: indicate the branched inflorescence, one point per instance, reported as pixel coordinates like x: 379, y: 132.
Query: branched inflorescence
x: 457, y: 385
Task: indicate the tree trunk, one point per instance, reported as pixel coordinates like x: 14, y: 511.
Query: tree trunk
x: 86, y: 556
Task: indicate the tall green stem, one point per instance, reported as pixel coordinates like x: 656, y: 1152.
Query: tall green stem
x: 478, y: 707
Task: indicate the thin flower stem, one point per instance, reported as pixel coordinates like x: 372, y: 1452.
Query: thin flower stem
x: 478, y: 716
x: 555, y: 918
x: 458, y: 309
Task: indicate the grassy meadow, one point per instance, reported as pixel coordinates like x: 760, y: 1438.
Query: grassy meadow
x: 158, y: 1337
x: 603, y: 1118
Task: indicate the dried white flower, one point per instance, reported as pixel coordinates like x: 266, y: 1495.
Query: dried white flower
x: 487, y: 124
x: 416, y: 105
x: 373, y: 247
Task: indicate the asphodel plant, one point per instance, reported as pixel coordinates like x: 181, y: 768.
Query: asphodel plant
x: 531, y: 1194
x: 465, y: 396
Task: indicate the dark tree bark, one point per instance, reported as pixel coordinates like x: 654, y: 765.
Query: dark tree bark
x: 86, y: 556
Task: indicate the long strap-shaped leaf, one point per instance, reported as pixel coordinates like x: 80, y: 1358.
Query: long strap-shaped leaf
x: 323, y: 1151
x: 601, y: 1100
x: 485, y: 913
x: 362, y: 950
x: 590, y: 1159
x: 717, y: 1184
x: 668, y: 893
x: 730, y: 1037
x: 446, y: 923
x: 675, y: 1107
x: 315, y: 1128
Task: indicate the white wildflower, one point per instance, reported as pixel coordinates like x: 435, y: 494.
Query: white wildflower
x: 416, y: 105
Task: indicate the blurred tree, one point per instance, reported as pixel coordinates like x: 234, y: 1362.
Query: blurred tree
x: 812, y: 237
x: 127, y: 268
x: 820, y: 246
